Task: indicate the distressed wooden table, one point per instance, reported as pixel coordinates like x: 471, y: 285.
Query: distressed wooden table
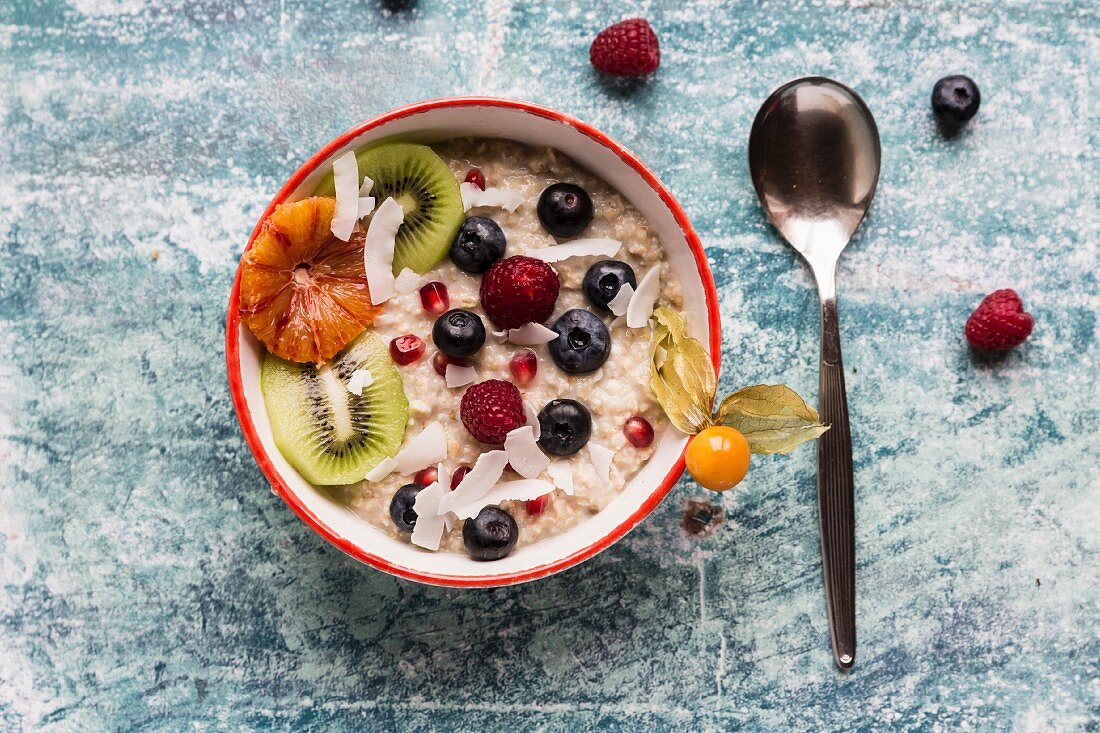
x: 150, y: 581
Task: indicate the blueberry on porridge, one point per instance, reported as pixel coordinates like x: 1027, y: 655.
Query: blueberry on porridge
x: 453, y: 338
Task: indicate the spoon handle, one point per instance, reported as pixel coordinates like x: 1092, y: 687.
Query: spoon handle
x: 835, y: 494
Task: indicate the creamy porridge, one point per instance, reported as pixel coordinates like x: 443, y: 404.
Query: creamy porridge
x: 342, y: 407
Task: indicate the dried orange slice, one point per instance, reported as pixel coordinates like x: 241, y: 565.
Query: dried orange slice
x: 303, y: 291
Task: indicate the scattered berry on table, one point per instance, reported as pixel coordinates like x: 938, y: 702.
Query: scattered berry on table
x: 426, y: 476
x: 441, y: 360
x: 565, y: 209
x: 519, y: 290
x: 479, y: 243
x: 537, y: 506
x: 459, y: 333
x: 955, y: 99
x: 401, y: 507
x: 999, y: 323
x: 524, y: 365
x: 638, y: 431
x: 476, y: 177
x: 583, y: 343
x: 603, y: 281
x: 490, y: 535
x: 458, y: 475
x: 434, y: 298
x: 565, y: 426
x: 628, y: 48
x: 718, y: 457
x: 406, y: 349
x: 491, y: 409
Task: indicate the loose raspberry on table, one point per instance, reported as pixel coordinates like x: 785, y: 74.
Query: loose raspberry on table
x: 491, y: 409
x: 999, y: 323
x: 629, y: 48
x: 519, y: 290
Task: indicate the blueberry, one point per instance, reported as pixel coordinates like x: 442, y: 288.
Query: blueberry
x: 955, y: 100
x: 480, y: 243
x: 604, y: 279
x: 490, y: 535
x: 565, y: 209
x: 401, y: 507
x: 564, y: 427
x: 458, y: 333
x: 583, y: 343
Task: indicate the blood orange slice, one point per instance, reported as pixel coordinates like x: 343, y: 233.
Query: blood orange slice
x: 303, y: 291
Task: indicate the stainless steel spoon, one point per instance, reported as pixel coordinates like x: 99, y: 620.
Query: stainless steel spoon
x: 814, y: 155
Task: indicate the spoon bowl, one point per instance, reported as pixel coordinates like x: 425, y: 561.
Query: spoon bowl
x: 814, y: 155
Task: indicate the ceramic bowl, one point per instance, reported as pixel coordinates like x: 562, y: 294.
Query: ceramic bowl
x: 429, y: 122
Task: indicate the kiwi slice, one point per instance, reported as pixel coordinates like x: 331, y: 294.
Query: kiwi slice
x: 421, y: 182
x: 329, y: 434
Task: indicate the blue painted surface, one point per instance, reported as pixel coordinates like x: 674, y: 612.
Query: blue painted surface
x: 149, y: 580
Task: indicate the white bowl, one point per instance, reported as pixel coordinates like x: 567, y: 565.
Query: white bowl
x: 430, y: 122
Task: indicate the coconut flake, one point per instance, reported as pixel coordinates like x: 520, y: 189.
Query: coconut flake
x: 619, y: 303
x: 419, y: 406
x: 428, y: 530
x: 366, y: 206
x: 345, y: 174
x: 597, y: 247
x: 378, y: 250
x: 561, y: 473
x: 532, y: 334
x: 429, y: 447
x: 460, y: 376
x: 522, y: 490
x: 406, y: 282
x: 382, y: 470
x: 360, y: 379
x: 487, y: 470
x: 533, y: 419
x: 524, y: 453
x: 500, y: 335
x: 601, y: 460
x: 368, y: 184
x: 502, y: 198
x: 641, y: 304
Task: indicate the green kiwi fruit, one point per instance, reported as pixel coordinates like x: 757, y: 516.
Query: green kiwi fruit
x: 329, y: 434
x: 421, y: 182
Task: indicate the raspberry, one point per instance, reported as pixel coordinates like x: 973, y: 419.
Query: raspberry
x: 628, y: 48
x: 999, y: 323
x: 519, y: 290
x: 490, y: 409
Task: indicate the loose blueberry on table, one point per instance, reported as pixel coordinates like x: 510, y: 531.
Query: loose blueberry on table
x: 955, y: 100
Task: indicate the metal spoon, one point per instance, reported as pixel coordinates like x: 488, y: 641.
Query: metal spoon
x: 814, y: 156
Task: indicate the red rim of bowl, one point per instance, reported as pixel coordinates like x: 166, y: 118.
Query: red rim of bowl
x: 232, y: 347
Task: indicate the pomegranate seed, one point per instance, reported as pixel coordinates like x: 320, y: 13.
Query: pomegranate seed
x: 406, y: 349
x: 458, y: 475
x: 524, y: 366
x: 434, y: 298
x: 638, y: 431
x: 426, y: 476
x: 441, y: 360
x: 537, y: 506
x: 476, y: 177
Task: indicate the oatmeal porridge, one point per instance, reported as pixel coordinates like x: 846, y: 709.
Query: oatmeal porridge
x: 516, y: 353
